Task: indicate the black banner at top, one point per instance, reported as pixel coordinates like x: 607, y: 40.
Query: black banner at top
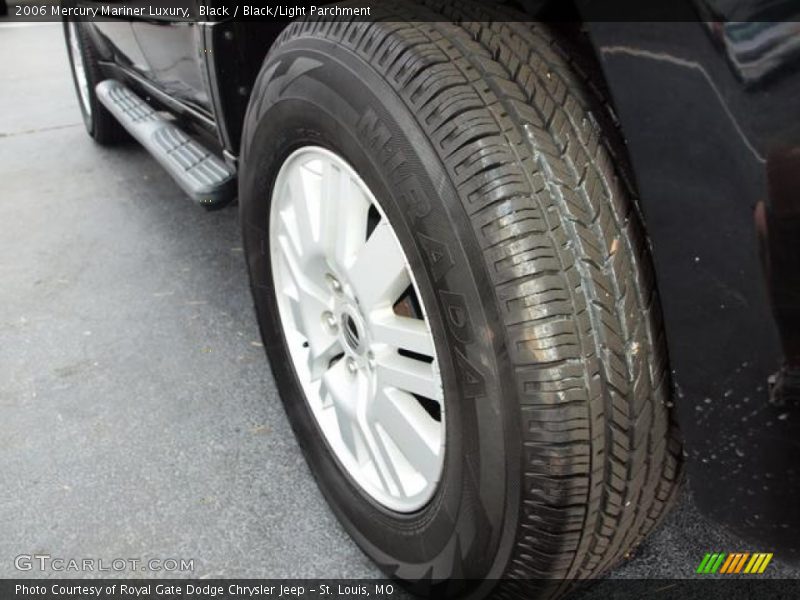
x: 435, y: 10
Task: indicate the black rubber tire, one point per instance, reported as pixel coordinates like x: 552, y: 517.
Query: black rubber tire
x: 485, y: 149
x: 100, y: 124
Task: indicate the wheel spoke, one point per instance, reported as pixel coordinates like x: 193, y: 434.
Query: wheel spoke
x: 302, y: 273
x: 299, y: 218
x: 322, y: 346
x: 379, y: 457
x: 321, y: 354
x: 379, y: 273
x: 344, y: 210
x: 307, y: 300
x: 342, y: 390
x: 415, y: 433
x: 402, y: 332
x: 409, y: 375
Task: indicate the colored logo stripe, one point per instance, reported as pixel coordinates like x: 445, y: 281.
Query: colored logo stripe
x: 728, y: 562
x: 758, y: 563
x: 703, y: 563
x: 734, y: 563
x: 711, y: 562
x: 740, y: 564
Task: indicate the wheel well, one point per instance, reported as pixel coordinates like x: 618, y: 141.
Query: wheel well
x: 561, y: 16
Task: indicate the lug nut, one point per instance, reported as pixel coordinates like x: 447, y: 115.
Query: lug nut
x: 334, y: 283
x: 352, y: 367
x: 330, y: 321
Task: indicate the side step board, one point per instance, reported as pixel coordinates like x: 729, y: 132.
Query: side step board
x: 201, y: 174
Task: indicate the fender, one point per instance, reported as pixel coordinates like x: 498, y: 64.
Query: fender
x: 713, y: 135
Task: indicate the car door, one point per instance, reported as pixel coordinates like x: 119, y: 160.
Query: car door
x: 174, y: 51
x: 118, y: 36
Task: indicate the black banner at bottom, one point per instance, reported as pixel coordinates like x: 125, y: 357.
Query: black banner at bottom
x: 727, y: 588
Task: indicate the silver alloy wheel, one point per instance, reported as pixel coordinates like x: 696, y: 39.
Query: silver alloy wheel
x: 356, y: 329
x: 80, y: 68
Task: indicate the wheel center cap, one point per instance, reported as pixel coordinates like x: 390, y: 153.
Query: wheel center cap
x: 352, y: 332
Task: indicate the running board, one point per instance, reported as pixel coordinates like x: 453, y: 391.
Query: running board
x: 201, y: 174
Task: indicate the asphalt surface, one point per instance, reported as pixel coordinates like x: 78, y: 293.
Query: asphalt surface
x: 138, y: 416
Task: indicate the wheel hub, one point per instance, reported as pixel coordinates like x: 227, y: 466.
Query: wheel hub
x: 352, y: 336
x: 348, y: 323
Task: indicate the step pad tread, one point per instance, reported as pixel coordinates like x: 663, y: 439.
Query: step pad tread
x: 202, y: 174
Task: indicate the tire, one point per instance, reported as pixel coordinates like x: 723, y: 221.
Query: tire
x: 483, y: 145
x: 100, y: 124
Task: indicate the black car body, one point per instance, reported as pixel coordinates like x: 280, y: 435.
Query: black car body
x: 708, y: 107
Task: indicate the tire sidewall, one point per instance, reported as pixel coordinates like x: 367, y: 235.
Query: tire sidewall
x: 315, y: 92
